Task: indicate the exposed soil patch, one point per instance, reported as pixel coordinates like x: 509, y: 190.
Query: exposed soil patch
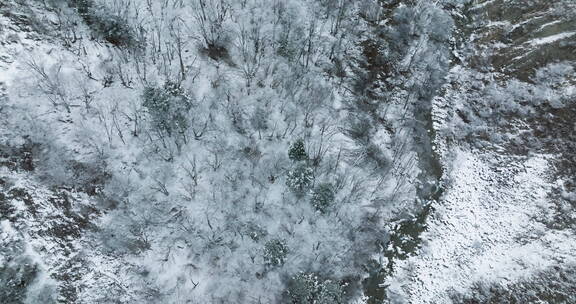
x: 521, y: 36
x: 18, y: 158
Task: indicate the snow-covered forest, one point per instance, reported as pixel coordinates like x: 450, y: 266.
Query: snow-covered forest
x: 287, y: 151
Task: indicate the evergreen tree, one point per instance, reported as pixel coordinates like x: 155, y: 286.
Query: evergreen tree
x: 307, y: 288
x: 168, y: 107
x: 323, y: 197
x: 300, y: 179
x: 303, y: 288
x: 297, y: 152
x: 275, y: 252
x: 330, y: 293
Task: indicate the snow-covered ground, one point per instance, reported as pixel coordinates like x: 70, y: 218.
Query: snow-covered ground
x: 486, y: 228
x: 188, y: 221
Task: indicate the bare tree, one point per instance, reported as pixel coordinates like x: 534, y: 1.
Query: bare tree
x: 251, y: 45
x: 50, y: 82
x: 193, y: 172
x: 86, y: 94
x: 211, y: 16
x: 320, y: 147
x: 134, y: 116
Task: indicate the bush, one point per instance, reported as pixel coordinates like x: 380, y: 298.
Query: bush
x: 83, y: 6
x: 374, y: 154
x: 275, y: 252
x: 286, y: 49
x: 255, y: 231
x: 323, y: 197
x: 104, y: 23
x: 297, y: 152
x: 16, y: 278
x: 18, y: 272
x: 259, y: 121
x: 113, y: 29
x: 307, y: 288
x: 168, y: 107
x: 359, y: 129
x: 300, y: 179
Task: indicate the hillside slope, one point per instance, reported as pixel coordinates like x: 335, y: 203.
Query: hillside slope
x: 302, y: 151
x: 507, y: 217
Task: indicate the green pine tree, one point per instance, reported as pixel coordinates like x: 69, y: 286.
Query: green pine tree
x: 308, y: 288
x: 300, y: 179
x: 297, y: 152
x: 275, y: 252
x: 323, y: 197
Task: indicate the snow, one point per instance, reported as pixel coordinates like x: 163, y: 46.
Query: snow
x: 485, y: 228
x: 498, y: 24
x: 167, y: 233
x: 185, y: 249
x: 550, y: 39
x: 545, y: 25
x: 482, y: 4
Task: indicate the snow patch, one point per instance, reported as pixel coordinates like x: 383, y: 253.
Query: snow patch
x: 551, y: 39
x: 485, y: 228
